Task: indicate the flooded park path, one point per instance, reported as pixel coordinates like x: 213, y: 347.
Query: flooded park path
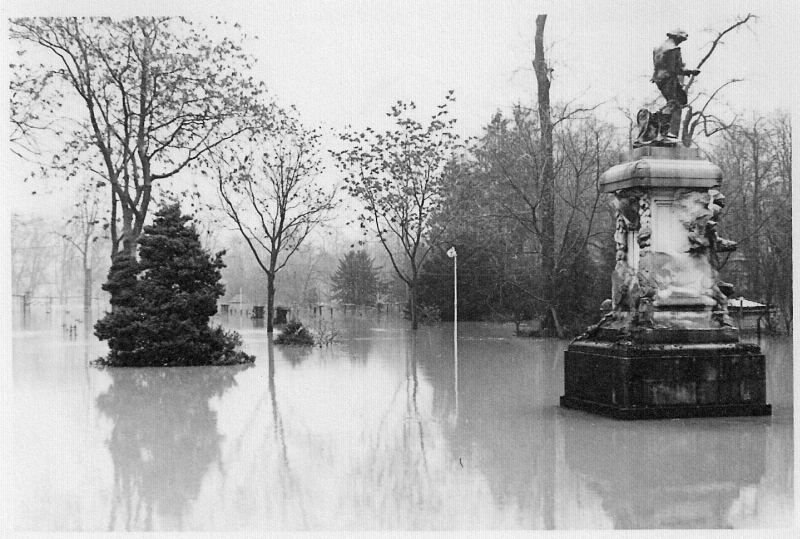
x: 372, y: 433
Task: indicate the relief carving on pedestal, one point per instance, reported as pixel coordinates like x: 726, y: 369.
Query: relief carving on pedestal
x: 678, y: 270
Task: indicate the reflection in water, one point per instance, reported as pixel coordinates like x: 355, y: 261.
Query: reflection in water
x: 368, y: 434
x: 358, y: 349
x: 668, y: 474
x: 455, y: 369
x: 294, y: 354
x: 163, y: 440
x: 288, y: 483
x: 505, y: 423
x: 562, y: 469
x: 411, y: 459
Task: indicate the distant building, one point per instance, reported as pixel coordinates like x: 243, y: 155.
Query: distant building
x: 746, y: 313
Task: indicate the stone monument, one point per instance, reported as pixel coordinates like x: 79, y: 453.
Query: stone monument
x: 665, y: 346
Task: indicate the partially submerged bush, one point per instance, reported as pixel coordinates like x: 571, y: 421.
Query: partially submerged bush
x: 325, y: 333
x: 216, y: 347
x: 295, y: 333
x: 162, y: 303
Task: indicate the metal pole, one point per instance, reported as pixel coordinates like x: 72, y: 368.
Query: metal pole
x: 454, y: 255
x: 455, y: 322
x: 455, y: 302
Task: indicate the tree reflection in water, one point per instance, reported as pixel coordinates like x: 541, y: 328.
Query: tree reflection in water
x: 553, y: 468
x: 294, y: 354
x: 289, y: 484
x: 163, y: 441
x: 504, y: 422
x: 413, y: 419
x: 358, y: 349
x: 367, y: 436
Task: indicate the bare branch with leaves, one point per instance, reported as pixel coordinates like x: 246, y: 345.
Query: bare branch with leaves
x: 268, y: 188
x: 399, y: 175
x: 156, y: 94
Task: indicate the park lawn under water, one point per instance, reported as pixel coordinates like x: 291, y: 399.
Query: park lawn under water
x: 379, y: 431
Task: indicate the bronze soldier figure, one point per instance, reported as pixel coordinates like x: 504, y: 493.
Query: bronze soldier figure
x: 668, y: 73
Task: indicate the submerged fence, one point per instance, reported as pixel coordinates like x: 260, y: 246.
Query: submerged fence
x: 41, y: 312
x: 31, y: 312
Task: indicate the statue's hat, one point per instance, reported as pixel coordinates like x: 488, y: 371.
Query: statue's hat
x: 678, y: 32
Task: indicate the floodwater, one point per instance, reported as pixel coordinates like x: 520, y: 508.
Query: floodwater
x: 379, y: 431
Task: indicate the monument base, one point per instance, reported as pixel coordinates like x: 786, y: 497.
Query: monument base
x: 655, y: 381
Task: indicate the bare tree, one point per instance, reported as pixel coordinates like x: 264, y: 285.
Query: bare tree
x: 400, y: 175
x: 268, y: 189
x: 155, y: 94
x: 510, y: 156
x: 83, y: 231
x: 547, y: 176
x: 702, y: 118
x: 31, y: 254
x: 756, y: 162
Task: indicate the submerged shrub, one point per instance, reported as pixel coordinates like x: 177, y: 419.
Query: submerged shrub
x: 161, y: 304
x: 295, y: 333
x: 325, y: 333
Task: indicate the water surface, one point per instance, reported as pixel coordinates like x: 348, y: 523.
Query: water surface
x: 372, y: 433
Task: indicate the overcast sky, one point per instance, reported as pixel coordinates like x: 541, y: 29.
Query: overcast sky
x: 345, y: 63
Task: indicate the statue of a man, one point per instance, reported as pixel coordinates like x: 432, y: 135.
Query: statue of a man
x: 668, y: 73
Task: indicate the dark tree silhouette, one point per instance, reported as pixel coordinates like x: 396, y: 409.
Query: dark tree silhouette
x: 356, y: 279
x: 162, y: 303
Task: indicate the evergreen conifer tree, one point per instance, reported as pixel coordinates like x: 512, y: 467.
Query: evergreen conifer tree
x: 161, y: 304
x: 356, y: 279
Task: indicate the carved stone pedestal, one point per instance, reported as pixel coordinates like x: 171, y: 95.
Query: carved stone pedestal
x: 667, y: 347
x: 652, y: 381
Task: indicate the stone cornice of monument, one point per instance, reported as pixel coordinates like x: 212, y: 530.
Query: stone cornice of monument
x: 660, y: 166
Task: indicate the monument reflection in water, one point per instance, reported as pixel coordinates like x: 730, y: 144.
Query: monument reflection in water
x: 368, y: 434
x: 568, y: 470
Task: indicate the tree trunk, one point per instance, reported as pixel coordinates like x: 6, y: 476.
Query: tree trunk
x: 129, y: 239
x: 87, y: 293
x: 129, y: 245
x: 557, y: 324
x: 270, y: 300
x: 113, y: 224
x: 547, y: 182
x: 414, y: 294
x: 62, y: 289
x: 414, y: 314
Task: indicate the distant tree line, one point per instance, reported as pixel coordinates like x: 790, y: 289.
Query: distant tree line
x: 148, y: 99
x: 756, y: 159
x: 496, y: 200
x: 138, y: 102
